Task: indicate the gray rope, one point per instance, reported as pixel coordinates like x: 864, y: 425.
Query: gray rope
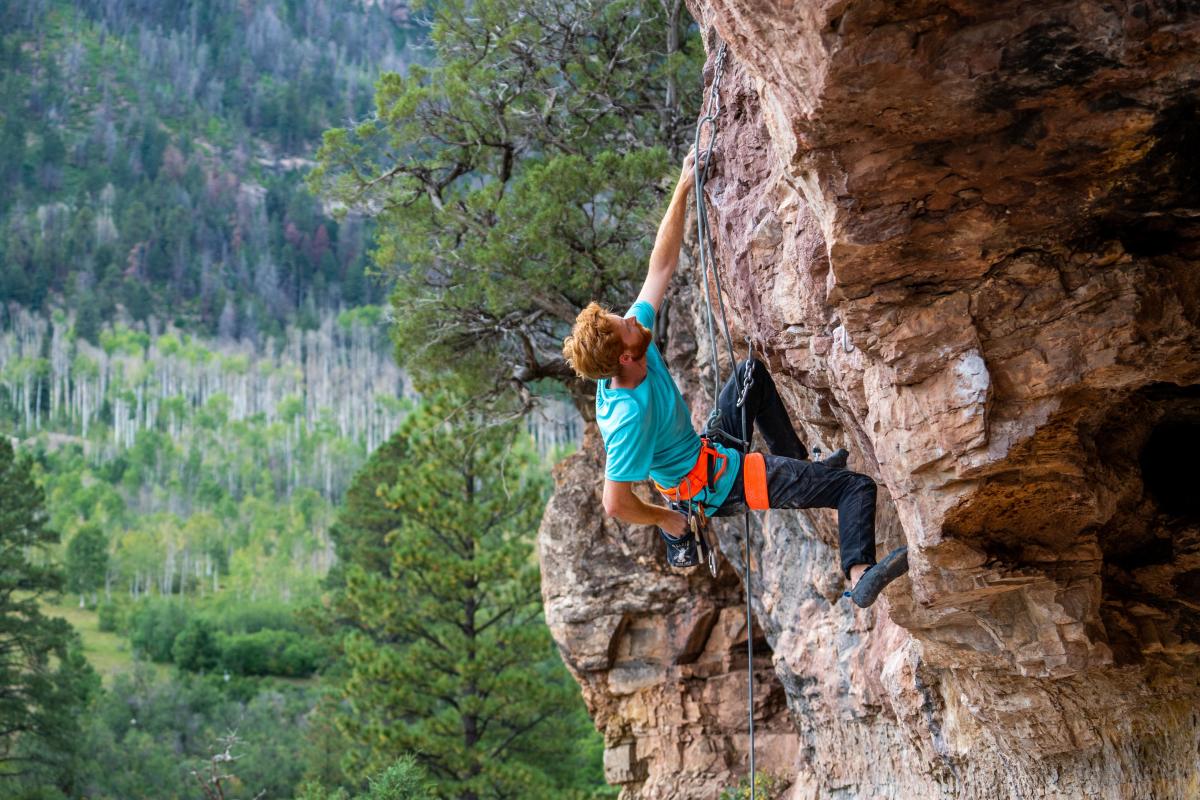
x: 708, y: 265
x: 703, y: 160
x: 747, y: 382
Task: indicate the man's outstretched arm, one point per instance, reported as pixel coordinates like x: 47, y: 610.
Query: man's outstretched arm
x: 665, y: 256
x: 622, y: 503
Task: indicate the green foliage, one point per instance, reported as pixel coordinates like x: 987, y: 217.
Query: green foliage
x: 193, y: 500
x: 403, y: 780
x: 365, y: 519
x: 87, y: 560
x: 144, y: 150
x: 195, y: 648
x: 766, y: 787
x: 153, y: 626
x: 518, y: 177
x: 112, y: 617
x: 45, y: 683
x: 257, y: 639
x: 270, y: 652
x: 448, y: 658
x: 234, y: 615
x: 145, y: 735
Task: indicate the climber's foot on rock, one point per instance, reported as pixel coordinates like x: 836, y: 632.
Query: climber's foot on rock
x: 867, y: 590
x: 837, y: 459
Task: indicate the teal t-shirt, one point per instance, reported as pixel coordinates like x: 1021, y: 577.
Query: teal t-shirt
x: 648, y: 431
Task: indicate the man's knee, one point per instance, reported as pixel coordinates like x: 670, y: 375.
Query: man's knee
x: 863, y: 486
x: 760, y: 376
x: 757, y: 368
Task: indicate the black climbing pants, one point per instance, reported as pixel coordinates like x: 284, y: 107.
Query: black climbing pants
x: 792, y: 480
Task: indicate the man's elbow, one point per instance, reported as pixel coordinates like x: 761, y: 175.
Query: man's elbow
x: 613, y: 507
x: 615, y: 502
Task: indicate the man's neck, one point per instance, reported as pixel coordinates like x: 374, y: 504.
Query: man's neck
x: 629, y: 376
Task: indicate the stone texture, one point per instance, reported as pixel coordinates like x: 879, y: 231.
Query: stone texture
x: 965, y: 235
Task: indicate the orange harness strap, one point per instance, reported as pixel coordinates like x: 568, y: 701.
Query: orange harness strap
x: 754, y: 481
x: 698, y: 477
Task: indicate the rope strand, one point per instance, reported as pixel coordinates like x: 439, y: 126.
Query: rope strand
x: 708, y: 264
x: 747, y: 381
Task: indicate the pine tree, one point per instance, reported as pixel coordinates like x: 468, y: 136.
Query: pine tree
x: 519, y: 177
x: 365, y: 519
x: 87, y: 562
x: 450, y: 659
x: 44, y: 680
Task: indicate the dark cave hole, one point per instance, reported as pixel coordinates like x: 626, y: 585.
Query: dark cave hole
x: 1154, y: 214
x: 1169, y: 467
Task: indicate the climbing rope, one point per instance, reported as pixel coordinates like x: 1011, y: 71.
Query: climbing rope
x: 707, y: 262
x: 747, y: 382
x: 712, y: 110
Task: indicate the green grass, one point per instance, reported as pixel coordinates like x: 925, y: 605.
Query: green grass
x: 108, y: 653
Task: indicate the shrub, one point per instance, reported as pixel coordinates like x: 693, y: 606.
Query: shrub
x: 153, y: 626
x: 270, y: 652
x: 766, y: 787
x: 251, y: 617
x: 300, y: 658
x: 403, y: 780
x: 244, y: 654
x: 196, y: 647
x: 112, y: 617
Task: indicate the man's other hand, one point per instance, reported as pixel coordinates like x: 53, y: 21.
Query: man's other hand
x: 687, y: 175
x: 673, y: 523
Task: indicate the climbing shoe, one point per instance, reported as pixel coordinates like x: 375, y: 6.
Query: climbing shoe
x: 867, y: 590
x: 681, y: 552
x: 836, y: 460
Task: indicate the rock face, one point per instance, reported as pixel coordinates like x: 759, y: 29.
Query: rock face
x: 966, y: 236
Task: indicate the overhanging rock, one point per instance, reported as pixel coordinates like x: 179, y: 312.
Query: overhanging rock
x: 966, y: 236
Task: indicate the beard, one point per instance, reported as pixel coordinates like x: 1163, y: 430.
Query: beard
x: 639, y: 352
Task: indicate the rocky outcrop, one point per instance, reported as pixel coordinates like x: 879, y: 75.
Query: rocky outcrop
x: 966, y: 235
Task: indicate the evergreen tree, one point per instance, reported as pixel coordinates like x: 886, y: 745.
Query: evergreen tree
x: 401, y: 781
x: 518, y: 178
x: 45, y: 683
x: 450, y: 659
x: 87, y: 562
x: 365, y: 519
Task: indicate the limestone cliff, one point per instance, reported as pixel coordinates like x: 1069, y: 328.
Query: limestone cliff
x: 966, y: 235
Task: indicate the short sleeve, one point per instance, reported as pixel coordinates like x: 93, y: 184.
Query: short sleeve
x: 644, y: 312
x: 630, y: 450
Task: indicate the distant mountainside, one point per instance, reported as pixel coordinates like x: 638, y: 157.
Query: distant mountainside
x: 205, y: 462
x: 187, y: 341
x: 152, y: 157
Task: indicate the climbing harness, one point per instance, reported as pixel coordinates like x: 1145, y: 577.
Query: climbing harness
x: 703, y: 476
x: 709, y: 467
x: 708, y: 265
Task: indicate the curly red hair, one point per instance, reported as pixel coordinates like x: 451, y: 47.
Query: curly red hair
x: 594, y: 347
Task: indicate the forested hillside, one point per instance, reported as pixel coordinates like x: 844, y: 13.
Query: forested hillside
x: 152, y: 155
x: 175, y: 307
x: 193, y: 365
x: 220, y: 472
x: 205, y: 467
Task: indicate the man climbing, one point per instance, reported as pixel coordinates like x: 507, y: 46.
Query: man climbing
x: 647, y: 432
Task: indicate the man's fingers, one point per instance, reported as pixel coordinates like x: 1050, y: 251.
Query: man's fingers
x: 675, y: 525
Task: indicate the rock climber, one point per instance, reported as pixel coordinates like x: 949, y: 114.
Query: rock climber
x: 647, y: 432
